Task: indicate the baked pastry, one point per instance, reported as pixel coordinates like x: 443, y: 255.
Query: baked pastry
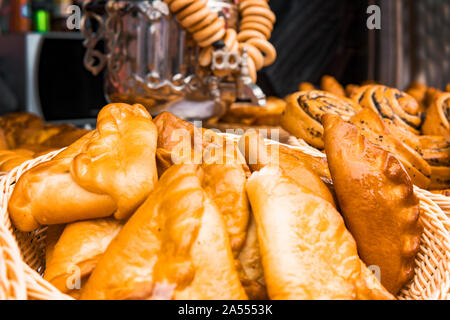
x: 225, y: 184
x: 431, y: 95
x: 306, y: 251
x: 435, y: 150
x: 418, y: 91
x: 377, y: 201
x: 9, y: 159
x: 302, y: 117
x: 3, y: 142
x: 18, y: 126
x: 399, y: 107
x: 108, y: 171
x: 375, y: 129
x: 294, y: 164
x: 440, y: 177
x: 77, y: 252
x: 174, y: 247
x: 250, y: 265
x: 306, y: 86
x: 442, y: 192
x: 250, y: 114
x: 350, y: 89
x: 437, y: 120
x: 51, y: 238
x: 180, y: 141
x: 225, y: 172
x: 331, y: 85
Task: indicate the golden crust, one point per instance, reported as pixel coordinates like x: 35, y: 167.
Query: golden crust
x: 377, y: 200
x: 9, y: 159
x: 294, y: 164
x: 78, y: 250
x: 302, y: 117
x: 110, y: 170
x: 248, y: 113
x: 331, y: 85
x: 306, y: 86
x: 306, y: 251
x: 375, y: 129
x: 174, y: 247
x: 250, y: 265
x: 437, y: 121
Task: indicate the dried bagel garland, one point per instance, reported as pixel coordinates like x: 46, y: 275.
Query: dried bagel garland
x: 207, y: 28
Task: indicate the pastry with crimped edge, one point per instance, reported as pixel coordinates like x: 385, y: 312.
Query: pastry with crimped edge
x: 302, y: 117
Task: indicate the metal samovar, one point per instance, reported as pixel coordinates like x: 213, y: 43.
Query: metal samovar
x: 149, y: 59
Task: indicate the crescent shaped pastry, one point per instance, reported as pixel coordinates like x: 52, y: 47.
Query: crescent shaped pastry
x: 307, y: 253
x: 391, y: 104
x: 174, y: 247
x: 119, y: 159
x: 437, y: 121
x: 377, y: 202
x: 302, y: 117
x: 78, y: 249
x: 377, y: 131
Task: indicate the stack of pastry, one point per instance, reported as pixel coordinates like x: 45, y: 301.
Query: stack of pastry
x: 414, y: 125
x: 158, y: 209
x: 24, y: 136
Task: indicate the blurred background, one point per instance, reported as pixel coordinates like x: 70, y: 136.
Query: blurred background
x: 41, y: 61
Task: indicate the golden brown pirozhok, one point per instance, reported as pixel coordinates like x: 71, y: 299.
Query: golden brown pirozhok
x: 110, y: 170
x: 377, y: 201
x: 174, y: 247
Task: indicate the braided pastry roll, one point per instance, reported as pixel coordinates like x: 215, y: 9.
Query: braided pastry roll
x: 437, y: 121
x: 304, y: 110
x: 399, y: 107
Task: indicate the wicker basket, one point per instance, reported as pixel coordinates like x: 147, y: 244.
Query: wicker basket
x: 22, y: 255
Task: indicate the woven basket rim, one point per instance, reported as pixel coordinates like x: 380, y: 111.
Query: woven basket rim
x: 21, y: 281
